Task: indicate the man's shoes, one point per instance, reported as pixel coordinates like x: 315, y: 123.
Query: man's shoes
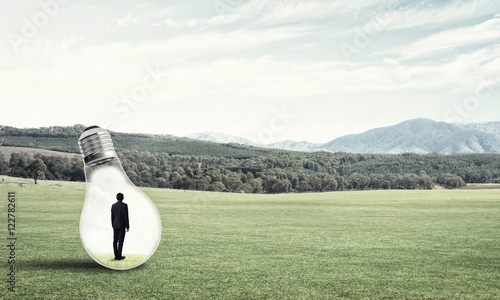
x: 120, y: 258
x: 123, y: 257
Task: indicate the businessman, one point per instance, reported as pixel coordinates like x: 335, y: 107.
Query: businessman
x: 119, y: 221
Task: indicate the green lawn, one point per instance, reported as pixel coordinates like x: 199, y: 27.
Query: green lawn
x: 437, y: 244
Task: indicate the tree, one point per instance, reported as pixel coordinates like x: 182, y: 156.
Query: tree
x: 17, y: 165
x: 450, y: 181
x: 246, y: 188
x: 425, y: 181
x: 328, y: 183
x: 273, y: 185
x: 217, y: 187
x: 256, y: 184
x: 359, y: 181
x: 4, y: 166
x: 410, y: 181
x: 37, y: 167
x: 341, y: 183
x: 232, y: 182
x: 378, y: 181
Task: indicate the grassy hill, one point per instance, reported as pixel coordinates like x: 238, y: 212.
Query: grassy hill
x: 7, y: 151
x: 65, y: 139
x: 438, y: 244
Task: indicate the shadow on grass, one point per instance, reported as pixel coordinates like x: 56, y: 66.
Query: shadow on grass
x: 74, y: 265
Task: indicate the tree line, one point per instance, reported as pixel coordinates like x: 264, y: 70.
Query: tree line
x: 285, y: 173
x: 65, y: 139
x: 171, y: 162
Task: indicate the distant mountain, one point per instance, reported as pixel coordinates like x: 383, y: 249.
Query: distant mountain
x: 421, y: 136
x: 221, y: 138
x: 412, y: 136
x: 295, y: 146
x: 490, y: 127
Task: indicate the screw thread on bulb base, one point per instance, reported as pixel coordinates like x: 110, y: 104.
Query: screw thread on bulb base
x: 96, y: 146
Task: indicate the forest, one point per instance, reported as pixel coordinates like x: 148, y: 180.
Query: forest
x: 157, y: 161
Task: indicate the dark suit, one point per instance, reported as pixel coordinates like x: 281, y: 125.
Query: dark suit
x: 119, y: 221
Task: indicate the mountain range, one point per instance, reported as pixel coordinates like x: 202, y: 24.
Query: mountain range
x: 412, y: 136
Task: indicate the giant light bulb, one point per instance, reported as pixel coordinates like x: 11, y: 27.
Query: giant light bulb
x: 105, y: 179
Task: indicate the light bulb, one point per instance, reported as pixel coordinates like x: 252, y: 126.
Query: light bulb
x: 105, y: 179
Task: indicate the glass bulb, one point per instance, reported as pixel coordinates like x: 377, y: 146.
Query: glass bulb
x: 105, y: 179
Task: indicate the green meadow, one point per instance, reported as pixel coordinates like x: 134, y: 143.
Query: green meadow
x: 395, y: 244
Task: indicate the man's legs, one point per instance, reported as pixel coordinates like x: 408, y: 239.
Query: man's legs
x: 115, y: 242
x: 121, y: 239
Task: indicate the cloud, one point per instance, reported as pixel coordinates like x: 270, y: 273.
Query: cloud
x: 263, y: 12
x: 394, y: 17
x: 127, y: 21
x: 142, y: 14
x: 171, y: 23
x: 103, y: 72
x: 55, y: 69
x: 459, y: 76
x: 224, y: 19
x: 439, y: 43
x: 276, y: 12
x: 219, y: 43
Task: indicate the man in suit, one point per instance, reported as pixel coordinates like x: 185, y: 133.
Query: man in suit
x: 119, y: 221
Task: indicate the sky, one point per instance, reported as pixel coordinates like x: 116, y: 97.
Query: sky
x: 264, y: 70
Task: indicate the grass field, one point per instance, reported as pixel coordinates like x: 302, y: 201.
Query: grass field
x: 437, y: 244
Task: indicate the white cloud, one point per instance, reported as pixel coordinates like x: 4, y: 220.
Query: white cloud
x: 192, y: 23
x: 274, y: 79
x: 265, y: 12
x: 220, y: 44
x: 113, y: 69
x: 55, y: 69
x: 224, y: 19
x: 485, y: 32
x: 171, y: 23
x: 127, y: 20
x: 391, y: 61
x: 394, y: 18
x: 306, y: 46
x: 460, y: 75
x: 146, y: 13
x: 293, y: 11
